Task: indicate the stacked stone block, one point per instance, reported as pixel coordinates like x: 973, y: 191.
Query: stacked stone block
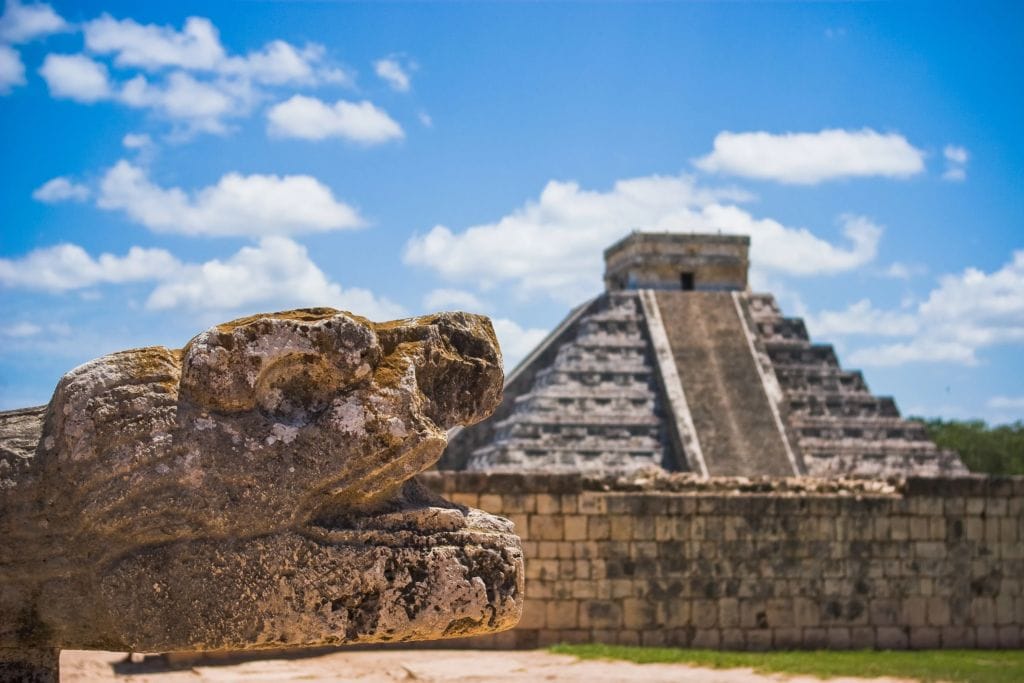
x: 758, y: 564
x: 839, y: 426
x: 595, y: 407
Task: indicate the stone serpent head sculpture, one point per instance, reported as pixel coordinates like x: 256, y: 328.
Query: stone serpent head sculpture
x: 254, y: 489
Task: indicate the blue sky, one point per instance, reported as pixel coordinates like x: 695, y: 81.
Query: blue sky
x: 168, y: 166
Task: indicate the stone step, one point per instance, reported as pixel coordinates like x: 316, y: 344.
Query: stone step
x: 583, y: 419
x: 612, y: 392
x: 783, y: 330
x: 865, y: 429
x: 812, y: 355
x: 815, y: 404
x: 589, y: 404
x: 815, y: 379
x: 866, y: 447
x: 731, y: 411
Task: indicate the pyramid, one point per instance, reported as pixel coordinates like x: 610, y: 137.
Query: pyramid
x: 678, y: 365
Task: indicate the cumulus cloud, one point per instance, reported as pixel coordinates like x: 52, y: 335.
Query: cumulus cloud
x: 21, y: 329
x: 68, y: 266
x: 966, y: 313
x: 904, y: 271
x: 811, y: 158
x: 198, y: 105
x: 553, y: 245
x: 196, y: 46
x: 251, y: 205
x: 30, y: 330
x: 22, y: 23
x: 191, y: 104
x: 12, y: 71
x: 452, y: 299
x: 191, y: 79
x: 392, y: 72
x: 861, y: 318
x: 137, y: 141
x: 76, y: 77
x: 956, y: 163
x: 277, y: 272
x: 515, y: 340
x: 311, y: 119
x: 61, y: 189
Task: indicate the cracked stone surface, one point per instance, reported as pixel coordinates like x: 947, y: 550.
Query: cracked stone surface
x: 254, y: 489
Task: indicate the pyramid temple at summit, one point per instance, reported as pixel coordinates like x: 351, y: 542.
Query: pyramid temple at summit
x: 678, y: 365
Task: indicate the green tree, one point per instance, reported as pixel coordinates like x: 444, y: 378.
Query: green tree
x: 984, y: 449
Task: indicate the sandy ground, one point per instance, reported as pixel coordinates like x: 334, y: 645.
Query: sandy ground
x: 433, y: 666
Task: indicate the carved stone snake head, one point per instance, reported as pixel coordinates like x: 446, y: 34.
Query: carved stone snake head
x: 254, y: 489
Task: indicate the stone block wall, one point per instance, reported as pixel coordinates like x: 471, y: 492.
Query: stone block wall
x: 758, y: 564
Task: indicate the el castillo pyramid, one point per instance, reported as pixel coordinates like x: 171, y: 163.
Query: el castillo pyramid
x: 678, y: 365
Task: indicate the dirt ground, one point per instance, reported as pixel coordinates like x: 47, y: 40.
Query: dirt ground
x: 433, y: 666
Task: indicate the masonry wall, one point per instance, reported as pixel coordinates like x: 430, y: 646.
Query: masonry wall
x: 745, y: 564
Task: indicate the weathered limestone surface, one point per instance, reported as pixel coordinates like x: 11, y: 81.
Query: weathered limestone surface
x: 752, y: 563
x: 253, y: 489
x: 840, y: 427
x: 594, y: 407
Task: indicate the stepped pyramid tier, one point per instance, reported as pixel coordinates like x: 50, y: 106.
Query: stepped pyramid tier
x: 678, y: 365
x: 840, y: 427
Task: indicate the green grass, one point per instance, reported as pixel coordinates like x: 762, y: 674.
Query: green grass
x: 975, y: 666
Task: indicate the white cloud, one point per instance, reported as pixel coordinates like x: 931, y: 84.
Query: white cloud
x: 137, y: 141
x: 76, y: 77
x: 252, y: 205
x: 515, y: 340
x: 956, y: 163
x: 904, y: 271
x: 810, y: 158
x: 201, y: 106
x: 553, y: 245
x: 391, y: 71
x: 918, y: 351
x: 21, y: 329
x: 194, y: 82
x: 190, y: 103
x: 955, y: 154
x: 280, y: 63
x: 22, y: 23
x: 312, y: 119
x: 452, y: 299
x: 277, y: 272
x: 61, y: 189
x: 1006, y: 402
x: 966, y: 313
x: 68, y: 266
x: 196, y: 46
x: 12, y: 71
x: 26, y: 330
x: 861, y: 318
x: 425, y: 119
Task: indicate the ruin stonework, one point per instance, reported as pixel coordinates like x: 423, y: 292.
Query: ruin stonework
x: 660, y: 559
x: 680, y: 366
x: 252, y: 490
